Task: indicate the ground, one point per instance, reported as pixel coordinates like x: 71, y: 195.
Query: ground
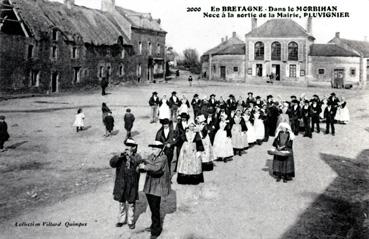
x: 52, y: 174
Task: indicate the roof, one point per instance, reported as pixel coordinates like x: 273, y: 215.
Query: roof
x: 330, y: 50
x: 279, y: 28
x: 360, y: 46
x: 236, y: 49
x: 140, y: 20
x: 94, y: 26
x: 225, y: 44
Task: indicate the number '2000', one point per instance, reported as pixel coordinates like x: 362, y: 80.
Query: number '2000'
x: 193, y: 9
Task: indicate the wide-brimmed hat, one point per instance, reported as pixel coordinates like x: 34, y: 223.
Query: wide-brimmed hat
x: 293, y: 96
x: 269, y: 96
x: 154, y: 93
x: 2, y: 117
x: 164, y: 121
x: 250, y: 93
x: 200, y: 118
x: 130, y: 142
x: 174, y: 93
x: 157, y: 144
x: 212, y: 95
x: 231, y: 96
x: 258, y: 97
x: 184, y: 116
x: 195, y: 95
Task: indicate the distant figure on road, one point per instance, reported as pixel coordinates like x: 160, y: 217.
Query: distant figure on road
x: 129, y: 118
x: 79, y: 121
x: 104, y: 83
x: 4, y: 135
x: 109, y: 124
x: 190, y: 80
x: 126, y: 182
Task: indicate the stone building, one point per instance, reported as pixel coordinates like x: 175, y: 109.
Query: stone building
x: 283, y: 50
x: 50, y: 46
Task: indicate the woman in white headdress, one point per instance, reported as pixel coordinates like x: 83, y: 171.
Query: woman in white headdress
x: 223, y: 149
x: 259, y: 127
x: 239, y: 130
x: 283, y: 160
x: 343, y: 113
x: 203, y: 144
x: 251, y: 134
x: 189, y: 165
x: 164, y: 110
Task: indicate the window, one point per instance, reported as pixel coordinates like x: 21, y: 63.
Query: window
x: 74, y: 52
x: 108, y: 71
x: 122, y: 53
x: 321, y: 71
x: 293, y: 51
x: 214, y: 68
x: 30, y: 51
x: 54, y: 52
x: 101, y: 71
x: 259, y: 51
x: 259, y: 70
x: 121, y: 70
x: 55, y: 35
x: 158, y: 49
x: 76, y: 75
x: 353, y: 72
x: 139, y: 70
x: 140, y: 48
x: 34, y: 78
x: 276, y: 51
x: 150, y: 48
x: 235, y: 69
x: 292, y: 70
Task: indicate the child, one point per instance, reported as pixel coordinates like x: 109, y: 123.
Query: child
x: 129, y: 118
x: 79, y: 121
x: 126, y: 182
x: 109, y: 124
x: 4, y: 136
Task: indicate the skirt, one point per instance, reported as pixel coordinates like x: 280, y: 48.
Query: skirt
x: 343, y: 115
x: 188, y: 162
x: 237, y: 137
x: 164, y: 112
x: 259, y: 129
x: 223, y: 147
x: 251, y: 134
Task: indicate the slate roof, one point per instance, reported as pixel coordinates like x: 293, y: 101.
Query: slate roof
x: 274, y: 28
x: 94, y: 26
x: 360, y: 46
x: 236, y: 49
x: 330, y: 50
x: 231, y: 41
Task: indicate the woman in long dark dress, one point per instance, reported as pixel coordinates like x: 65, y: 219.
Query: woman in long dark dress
x: 105, y: 110
x: 284, y: 166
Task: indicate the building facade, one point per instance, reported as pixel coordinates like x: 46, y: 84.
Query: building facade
x: 282, y: 50
x: 49, y: 47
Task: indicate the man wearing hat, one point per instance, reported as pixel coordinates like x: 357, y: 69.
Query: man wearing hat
x: 250, y: 98
x: 126, y: 182
x: 306, y: 113
x: 104, y: 83
x: 154, y: 104
x: 167, y: 136
x: 315, y: 112
x: 4, y: 136
x: 231, y: 104
x: 157, y: 184
x: 181, y: 134
x: 174, y: 104
x: 212, y: 104
x: 196, y: 105
x: 329, y: 114
x: 295, y: 113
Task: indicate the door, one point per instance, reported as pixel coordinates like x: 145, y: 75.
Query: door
x: 276, y: 71
x: 223, y: 72
x: 76, y: 75
x: 259, y: 70
x: 338, y: 78
x: 54, y: 82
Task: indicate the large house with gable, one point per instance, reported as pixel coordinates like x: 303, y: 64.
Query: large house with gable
x: 50, y: 46
x: 282, y: 50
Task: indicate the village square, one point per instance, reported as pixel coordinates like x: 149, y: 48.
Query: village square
x: 106, y: 132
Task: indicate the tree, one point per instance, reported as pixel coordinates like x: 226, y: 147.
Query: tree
x: 191, y: 60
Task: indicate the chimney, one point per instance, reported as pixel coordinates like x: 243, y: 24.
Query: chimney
x: 309, y: 25
x: 226, y: 38
x: 337, y: 34
x: 107, y: 5
x: 222, y: 39
x: 234, y: 34
x: 254, y: 23
x: 69, y: 3
x: 158, y: 21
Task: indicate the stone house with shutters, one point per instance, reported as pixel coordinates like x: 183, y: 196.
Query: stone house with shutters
x: 50, y: 47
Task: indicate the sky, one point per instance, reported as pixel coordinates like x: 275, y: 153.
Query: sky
x: 192, y: 30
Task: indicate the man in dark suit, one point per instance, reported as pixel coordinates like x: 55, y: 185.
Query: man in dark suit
x: 104, y: 83
x: 196, y: 105
x: 231, y: 105
x: 315, y: 112
x: 174, y: 104
x: 306, y: 117
x: 250, y: 99
x: 295, y: 113
x: 167, y: 136
x: 329, y: 114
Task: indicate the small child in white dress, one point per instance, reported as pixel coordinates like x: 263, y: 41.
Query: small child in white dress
x: 79, y: 120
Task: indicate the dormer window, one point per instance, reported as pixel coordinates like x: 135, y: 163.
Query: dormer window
x: 140, y: 48
x: 54, y: 52
x: 158, y: 49
x: 75, y: 53
x: 122, y: 54
x: 150, y: 48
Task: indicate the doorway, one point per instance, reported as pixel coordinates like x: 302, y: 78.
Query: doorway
x: 223, y: 72
x: 259, y: 70
x: 54, y: 82
x: 276, y: 71
x: 76, y: 75
x: 338, y: 78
